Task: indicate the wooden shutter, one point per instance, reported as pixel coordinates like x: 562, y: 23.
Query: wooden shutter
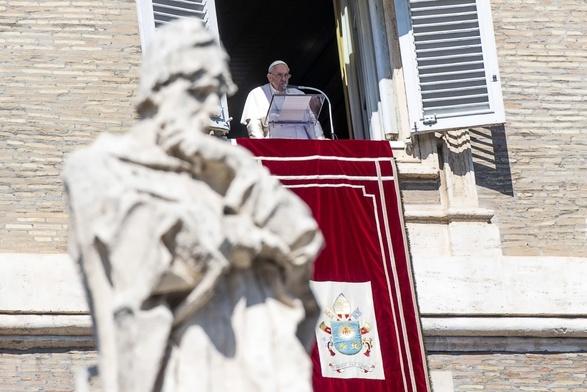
x: 450, y: 64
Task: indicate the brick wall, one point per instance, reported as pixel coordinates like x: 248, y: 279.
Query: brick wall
x: 533, y: 172
x: 67, y: 72
x: 514, y: 372
x: 43, y: 370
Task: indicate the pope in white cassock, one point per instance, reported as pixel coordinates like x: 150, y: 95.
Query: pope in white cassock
x: 257, y: 105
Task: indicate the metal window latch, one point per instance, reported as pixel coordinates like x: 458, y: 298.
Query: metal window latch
x: 429, y: 120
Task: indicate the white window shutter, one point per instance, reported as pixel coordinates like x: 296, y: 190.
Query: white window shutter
x: 155, y: 13
x: 450, y: 64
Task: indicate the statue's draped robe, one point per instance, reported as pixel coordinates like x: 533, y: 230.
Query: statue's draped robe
x: 196, y: 266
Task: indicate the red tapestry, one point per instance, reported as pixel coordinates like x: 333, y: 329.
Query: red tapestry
x: 351, y: 189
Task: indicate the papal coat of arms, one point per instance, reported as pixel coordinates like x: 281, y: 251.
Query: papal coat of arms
x: 347, y: 335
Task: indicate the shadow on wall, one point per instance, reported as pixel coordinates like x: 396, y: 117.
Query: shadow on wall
x: 491, y: 159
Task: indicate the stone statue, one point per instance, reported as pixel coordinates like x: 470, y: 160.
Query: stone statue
x: 196, y: 262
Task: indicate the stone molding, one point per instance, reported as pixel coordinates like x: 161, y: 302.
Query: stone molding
x: 466, y: 303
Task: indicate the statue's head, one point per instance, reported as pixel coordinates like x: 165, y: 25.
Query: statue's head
x: 185, y: 71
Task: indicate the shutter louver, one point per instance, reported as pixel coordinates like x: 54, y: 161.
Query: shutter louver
x: 167, y: 10
x: 449, y: 56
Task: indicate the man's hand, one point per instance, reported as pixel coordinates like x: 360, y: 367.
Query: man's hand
x: 255, y: 129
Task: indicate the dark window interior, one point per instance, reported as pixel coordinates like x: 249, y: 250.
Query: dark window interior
x: 301, y: 33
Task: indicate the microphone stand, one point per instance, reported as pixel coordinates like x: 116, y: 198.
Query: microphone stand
x: 332, y: 134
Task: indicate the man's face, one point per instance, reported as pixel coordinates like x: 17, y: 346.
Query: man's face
x: 279, y: 77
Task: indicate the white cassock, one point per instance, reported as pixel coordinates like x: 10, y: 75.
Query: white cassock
x: 255, y: 112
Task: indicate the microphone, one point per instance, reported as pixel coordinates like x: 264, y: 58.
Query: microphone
x: 332, y: 134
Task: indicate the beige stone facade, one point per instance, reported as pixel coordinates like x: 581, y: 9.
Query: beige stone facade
x: 533, y: 171
x: 40, y: 370
x: 71, y: 70
x: 68, y: 71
